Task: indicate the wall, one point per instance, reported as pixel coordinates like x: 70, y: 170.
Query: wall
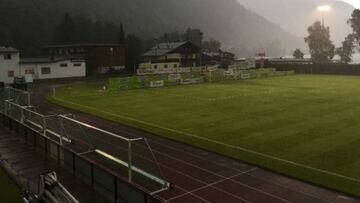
x: 99, y: 58
x: 336, y: 69
x: 170, y: 56
x: 56, y: 71
x: 9, y: 65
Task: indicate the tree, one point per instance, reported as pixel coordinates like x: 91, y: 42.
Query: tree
x: 322, y: 50
x: 66, y: 32
x: 211, y: 45
x: 81, y: 29
x: 121, y: 34
x: 354, y: 22
x: 347, y: 49
x: 194, y: 36
x: 298, y: 54
x: 134, y: 49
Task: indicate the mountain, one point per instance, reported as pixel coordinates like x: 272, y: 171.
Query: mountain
x: 296, y: 15
x: 31, y: 23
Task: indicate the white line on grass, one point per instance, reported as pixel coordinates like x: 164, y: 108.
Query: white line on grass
x: 208, y: 99
x: 213, y: 141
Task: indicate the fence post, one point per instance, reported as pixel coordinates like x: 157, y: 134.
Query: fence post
x: 5, y: 107
x: 63, y: 129
x: 130, y: 162
x: 28, y: 98
x: 22, y: 120
x: 54, y: 93
x: 115, y: 189
x: 44, y: 126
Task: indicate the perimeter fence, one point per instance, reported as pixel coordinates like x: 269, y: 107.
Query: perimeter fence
x: 176, y: 79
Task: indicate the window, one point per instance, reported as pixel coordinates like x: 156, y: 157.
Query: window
x: 29, y: 71
x: 7, y: 56
x: 155, y: 66
x: 11, y: 73
x: 45, y: 70
x: 63, y: 65
x: 175, y: 65
x: 165, y: 66
x: 77, y: 64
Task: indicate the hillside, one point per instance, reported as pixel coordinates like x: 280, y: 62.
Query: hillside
x: 296, y: 15
x: 28, y: 24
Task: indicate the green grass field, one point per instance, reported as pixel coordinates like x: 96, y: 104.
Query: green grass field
x: 9, y: 192
x: 304, y: 126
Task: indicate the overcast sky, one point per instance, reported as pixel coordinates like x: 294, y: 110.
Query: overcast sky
x: 356, y: 3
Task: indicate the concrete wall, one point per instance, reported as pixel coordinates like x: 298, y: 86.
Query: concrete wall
x: 7, y: 65
x: 56, y: 70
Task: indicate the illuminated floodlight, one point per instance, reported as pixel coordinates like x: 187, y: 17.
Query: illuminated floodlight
x: 324, y: 8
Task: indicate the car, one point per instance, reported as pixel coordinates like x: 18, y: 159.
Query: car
x: 19, y: 83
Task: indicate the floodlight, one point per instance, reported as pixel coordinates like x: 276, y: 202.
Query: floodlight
x: 324, y: 8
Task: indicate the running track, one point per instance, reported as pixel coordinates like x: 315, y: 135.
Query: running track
x: 201, y: 176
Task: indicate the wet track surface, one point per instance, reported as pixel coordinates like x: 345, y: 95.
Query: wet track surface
x: 26, y: 163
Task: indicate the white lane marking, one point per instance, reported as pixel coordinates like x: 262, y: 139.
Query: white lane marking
x: 195, y: 195
x: 213, y: 173
x: 188, y: 176
x: 215, y: 142
x: 237, y: 170
x: 202, y: 182
x: 211, y: 184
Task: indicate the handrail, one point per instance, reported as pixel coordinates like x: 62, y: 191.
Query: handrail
x: 28, y: 117
x: 100, y: 130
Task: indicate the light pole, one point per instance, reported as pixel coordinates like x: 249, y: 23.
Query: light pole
x: 111, y: 57
x: 323, y: 9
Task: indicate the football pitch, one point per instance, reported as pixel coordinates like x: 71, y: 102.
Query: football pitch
x: 304, y: 126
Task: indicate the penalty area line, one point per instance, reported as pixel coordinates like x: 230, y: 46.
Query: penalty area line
x: 213, y: 141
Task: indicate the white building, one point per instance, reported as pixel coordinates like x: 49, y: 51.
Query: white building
x: 9, y: 64
x: 52, y: 67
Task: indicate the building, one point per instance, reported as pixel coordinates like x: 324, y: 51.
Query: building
x: 170, y: 57
x: 100, y: 58
x: 243, y: 64
x: 9, y: 64
x: 52, y: 67
x: 221, y: 58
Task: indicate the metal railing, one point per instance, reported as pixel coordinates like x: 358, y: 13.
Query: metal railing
x: 132, y: 155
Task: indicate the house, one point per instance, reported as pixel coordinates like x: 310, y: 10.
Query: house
x: 9, y: 64
x: 52, y: 67
x: 221, y: 58
x: 100, y: 58
x: 170, y: 57
x: 243, y: 64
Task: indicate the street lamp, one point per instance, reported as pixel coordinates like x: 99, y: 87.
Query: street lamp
x: 323, y: 9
